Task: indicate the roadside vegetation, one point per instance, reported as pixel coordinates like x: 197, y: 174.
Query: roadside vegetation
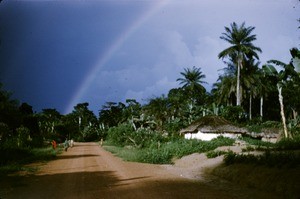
x: 15, y: 159
x: 158, y: 149
x: 285, y: 153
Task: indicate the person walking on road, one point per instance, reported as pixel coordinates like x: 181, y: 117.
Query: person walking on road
x: 66, y: 145
x: 53, y: 144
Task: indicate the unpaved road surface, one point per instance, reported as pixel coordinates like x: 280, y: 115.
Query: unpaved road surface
x: 88, y: 171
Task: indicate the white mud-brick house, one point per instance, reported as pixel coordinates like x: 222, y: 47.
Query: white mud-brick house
x: 210, y: 127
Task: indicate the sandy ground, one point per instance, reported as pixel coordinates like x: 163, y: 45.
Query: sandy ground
x: 88, y: 171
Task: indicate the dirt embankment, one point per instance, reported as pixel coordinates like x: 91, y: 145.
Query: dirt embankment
x: 271, y: 182
x: 88, y: 171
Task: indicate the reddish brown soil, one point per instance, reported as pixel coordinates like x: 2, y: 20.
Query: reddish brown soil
x: 88, y: 171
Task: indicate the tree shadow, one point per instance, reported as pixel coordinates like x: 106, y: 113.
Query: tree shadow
x: 106, y: 184
x: 61, y: 157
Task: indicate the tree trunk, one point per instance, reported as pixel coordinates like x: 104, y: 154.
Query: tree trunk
x: 261, y: 107
x: 250, y: 108
x: 238, y: 96
x: 295, y: 114
x: 282, y: 110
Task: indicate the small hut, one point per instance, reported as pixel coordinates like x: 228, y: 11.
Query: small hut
x: 210, y: 127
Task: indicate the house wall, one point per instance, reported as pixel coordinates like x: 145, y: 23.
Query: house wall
x: 208, y: 136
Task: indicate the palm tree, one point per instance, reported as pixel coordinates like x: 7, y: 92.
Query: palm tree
x: 241, y: 48
x: 224, y: 90
x: 286, y: 77
x: 251, y: 81
x: 192, y: 77
x: 225, y: 87
x: 192, y: 81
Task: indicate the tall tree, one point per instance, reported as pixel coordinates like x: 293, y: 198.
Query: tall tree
x: 48, y: 119
x: 158, y: 108
x: 176, y: 98
x: 240, y: 38
x: 268, y: 91
x: 192, y: 81
x: 87, y: 120
x: 192, y: 77
x: 224, y: 89
x: 10, y: 116
x: 287, y: 78
x: 251, y: 82
x: 111, y: 114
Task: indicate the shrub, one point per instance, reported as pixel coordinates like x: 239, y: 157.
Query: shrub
x: 124, y: 135
x: 254, y: 128
x: 155, y: 148
x: 288, y: 144
x: 145, y: 138
x: 271, y: 159
x: 23, y: 136
x: 155, y: 156
x: 233, y: 113
x: 119, y: 135
x: 25, y: 155
x: 179, y: 148
x: 214, y: 154
x: 272, y: 124
x: 257, y: 142
x: 13, y: 155
x: 174, y: 126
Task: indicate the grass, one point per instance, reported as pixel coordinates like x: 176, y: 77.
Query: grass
x: 164, y: 153
x: 15, y: 159
x: 282, y: 182
x: 214, y: 154
x: 258, y: 143
x: 126, y: 153
x: 277, y: 170
x: 286, y: 159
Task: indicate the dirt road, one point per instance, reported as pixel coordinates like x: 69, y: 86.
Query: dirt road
x: 88, y: 171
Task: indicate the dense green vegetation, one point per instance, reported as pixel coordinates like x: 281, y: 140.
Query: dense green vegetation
x: 247, y: 93
x: 159, y: 150
x: 13, y: 159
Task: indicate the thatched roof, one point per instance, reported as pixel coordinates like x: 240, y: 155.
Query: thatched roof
x: 212, y: 124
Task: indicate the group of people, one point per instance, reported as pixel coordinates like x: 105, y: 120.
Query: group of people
x: 67, y: 144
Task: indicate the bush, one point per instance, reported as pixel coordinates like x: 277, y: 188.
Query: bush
x: 272, y: 124
x: 125, y: 135
x: 214, y: 154
x: 179, y: 148
x: 25, y: 155
x: 23, y: 136
x: 145, y: 138
x: 174, y: 126
x: 13, y: 155
x: 234, y: 114
x: 89, y: 133
x: 155, y: 148
x: 155, y: 156
x: 270, y: 159
x: 288, y: 144
x: 119, y: 135
x: 257, y: 142
x: 18, y: 140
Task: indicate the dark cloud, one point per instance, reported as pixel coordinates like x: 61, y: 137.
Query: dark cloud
x: 50, y: 50
x: 48, y: 47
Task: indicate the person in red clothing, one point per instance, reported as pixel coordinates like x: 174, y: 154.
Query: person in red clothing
x: 53, y: 144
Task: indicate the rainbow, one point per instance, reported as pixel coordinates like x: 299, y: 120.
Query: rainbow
x: 92, y: 74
